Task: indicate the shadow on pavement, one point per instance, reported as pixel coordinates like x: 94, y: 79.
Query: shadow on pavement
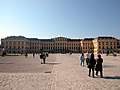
x: 112, y: 77
x: 6, y: 63
x: 52, y: 63
x: 109, y: 66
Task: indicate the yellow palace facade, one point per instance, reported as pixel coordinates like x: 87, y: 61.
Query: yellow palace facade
x: 20, y: 44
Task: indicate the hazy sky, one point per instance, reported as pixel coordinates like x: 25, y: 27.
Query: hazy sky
x: 53, y: 18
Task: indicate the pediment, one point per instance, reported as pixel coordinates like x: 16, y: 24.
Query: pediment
x: 60, y: 38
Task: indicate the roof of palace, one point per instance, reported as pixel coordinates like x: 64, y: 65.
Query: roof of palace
x: 58, y: 38
x: 105, y: 37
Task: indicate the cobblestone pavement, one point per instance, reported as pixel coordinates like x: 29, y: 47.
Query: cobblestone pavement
x: 62, y: 72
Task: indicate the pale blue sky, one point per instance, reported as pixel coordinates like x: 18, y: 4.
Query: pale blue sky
x: 52, y: 18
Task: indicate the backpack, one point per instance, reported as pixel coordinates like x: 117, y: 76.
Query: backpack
x: 41, y: 56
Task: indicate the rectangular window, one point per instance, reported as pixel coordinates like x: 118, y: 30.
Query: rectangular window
x: 102, y: 43
x: 74, y: 47
x: 106, y: 43
x: 99, y: 43
x: 99, y: 47
x: 111, y: 47
x: 114, y: 43
x: 110, y: 43
x: 114, y: 47
x: 103, y: 47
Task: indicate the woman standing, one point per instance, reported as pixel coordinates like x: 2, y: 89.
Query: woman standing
x: 92, y: 63
x: 99, y: 66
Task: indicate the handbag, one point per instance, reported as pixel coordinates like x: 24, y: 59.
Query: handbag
x: 89, y: 65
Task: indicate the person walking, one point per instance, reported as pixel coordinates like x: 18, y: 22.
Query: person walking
x: 33, y: 55
x: 91, y: 65
x: 98, y: 68
x: 44, y: 57
x: 41, y: 57
x: 26, y: 55
x: 82, y: 58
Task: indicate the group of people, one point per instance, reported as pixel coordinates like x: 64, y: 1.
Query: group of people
x: 43, y: 56
x: 92, y: 63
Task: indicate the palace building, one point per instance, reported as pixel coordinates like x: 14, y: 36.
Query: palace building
x: 21, y: 44
x: 105, y: 44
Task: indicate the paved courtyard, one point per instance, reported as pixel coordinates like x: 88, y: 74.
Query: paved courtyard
x: 61, y: 72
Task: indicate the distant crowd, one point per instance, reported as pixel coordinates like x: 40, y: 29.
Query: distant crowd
x: 43, y: 56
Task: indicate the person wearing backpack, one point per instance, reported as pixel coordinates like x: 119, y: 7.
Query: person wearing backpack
x: 43, y: 57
